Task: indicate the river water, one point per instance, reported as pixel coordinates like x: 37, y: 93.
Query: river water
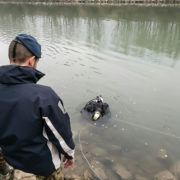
x: 128, y: 54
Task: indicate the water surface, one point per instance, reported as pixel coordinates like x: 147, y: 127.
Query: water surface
x: 131, y: 56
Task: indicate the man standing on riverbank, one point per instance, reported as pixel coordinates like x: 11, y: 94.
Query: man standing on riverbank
x: 34, y: 126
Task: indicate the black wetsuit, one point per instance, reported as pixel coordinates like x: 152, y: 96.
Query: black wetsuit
x: 93, y: 106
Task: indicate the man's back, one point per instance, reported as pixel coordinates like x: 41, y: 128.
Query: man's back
x: 34, y: 130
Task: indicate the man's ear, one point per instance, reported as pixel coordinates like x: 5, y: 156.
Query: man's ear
x: 31, y: 61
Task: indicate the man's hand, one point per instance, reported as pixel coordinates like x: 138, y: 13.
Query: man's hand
x: 68, y: 163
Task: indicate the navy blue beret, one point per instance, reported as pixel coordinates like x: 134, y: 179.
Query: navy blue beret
x: 30, y: 43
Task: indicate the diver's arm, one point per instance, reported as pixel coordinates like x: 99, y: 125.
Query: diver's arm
x: 105, y: 108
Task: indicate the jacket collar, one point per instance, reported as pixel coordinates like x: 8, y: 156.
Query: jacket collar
x: 14, y: 74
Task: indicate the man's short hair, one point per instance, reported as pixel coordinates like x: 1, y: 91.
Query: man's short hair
x: 22, y: 53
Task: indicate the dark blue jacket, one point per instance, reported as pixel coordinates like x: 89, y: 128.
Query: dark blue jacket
x: 34, y: 127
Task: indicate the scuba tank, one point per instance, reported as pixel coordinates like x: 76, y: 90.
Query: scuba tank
x: 97, y: 113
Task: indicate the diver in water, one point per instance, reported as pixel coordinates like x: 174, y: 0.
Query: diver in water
x: 97, y: 107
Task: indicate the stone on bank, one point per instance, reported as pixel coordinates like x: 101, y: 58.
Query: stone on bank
x: 123, y: 172
x: 165, y: 175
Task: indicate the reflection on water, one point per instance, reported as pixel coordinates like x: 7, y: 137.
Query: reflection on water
x: 128, y: 54
x: 150, y: 34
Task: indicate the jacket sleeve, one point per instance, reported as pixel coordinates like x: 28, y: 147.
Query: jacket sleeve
x: 57, y: 124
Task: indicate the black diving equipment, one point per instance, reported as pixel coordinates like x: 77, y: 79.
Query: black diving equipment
x: 97, y: 107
